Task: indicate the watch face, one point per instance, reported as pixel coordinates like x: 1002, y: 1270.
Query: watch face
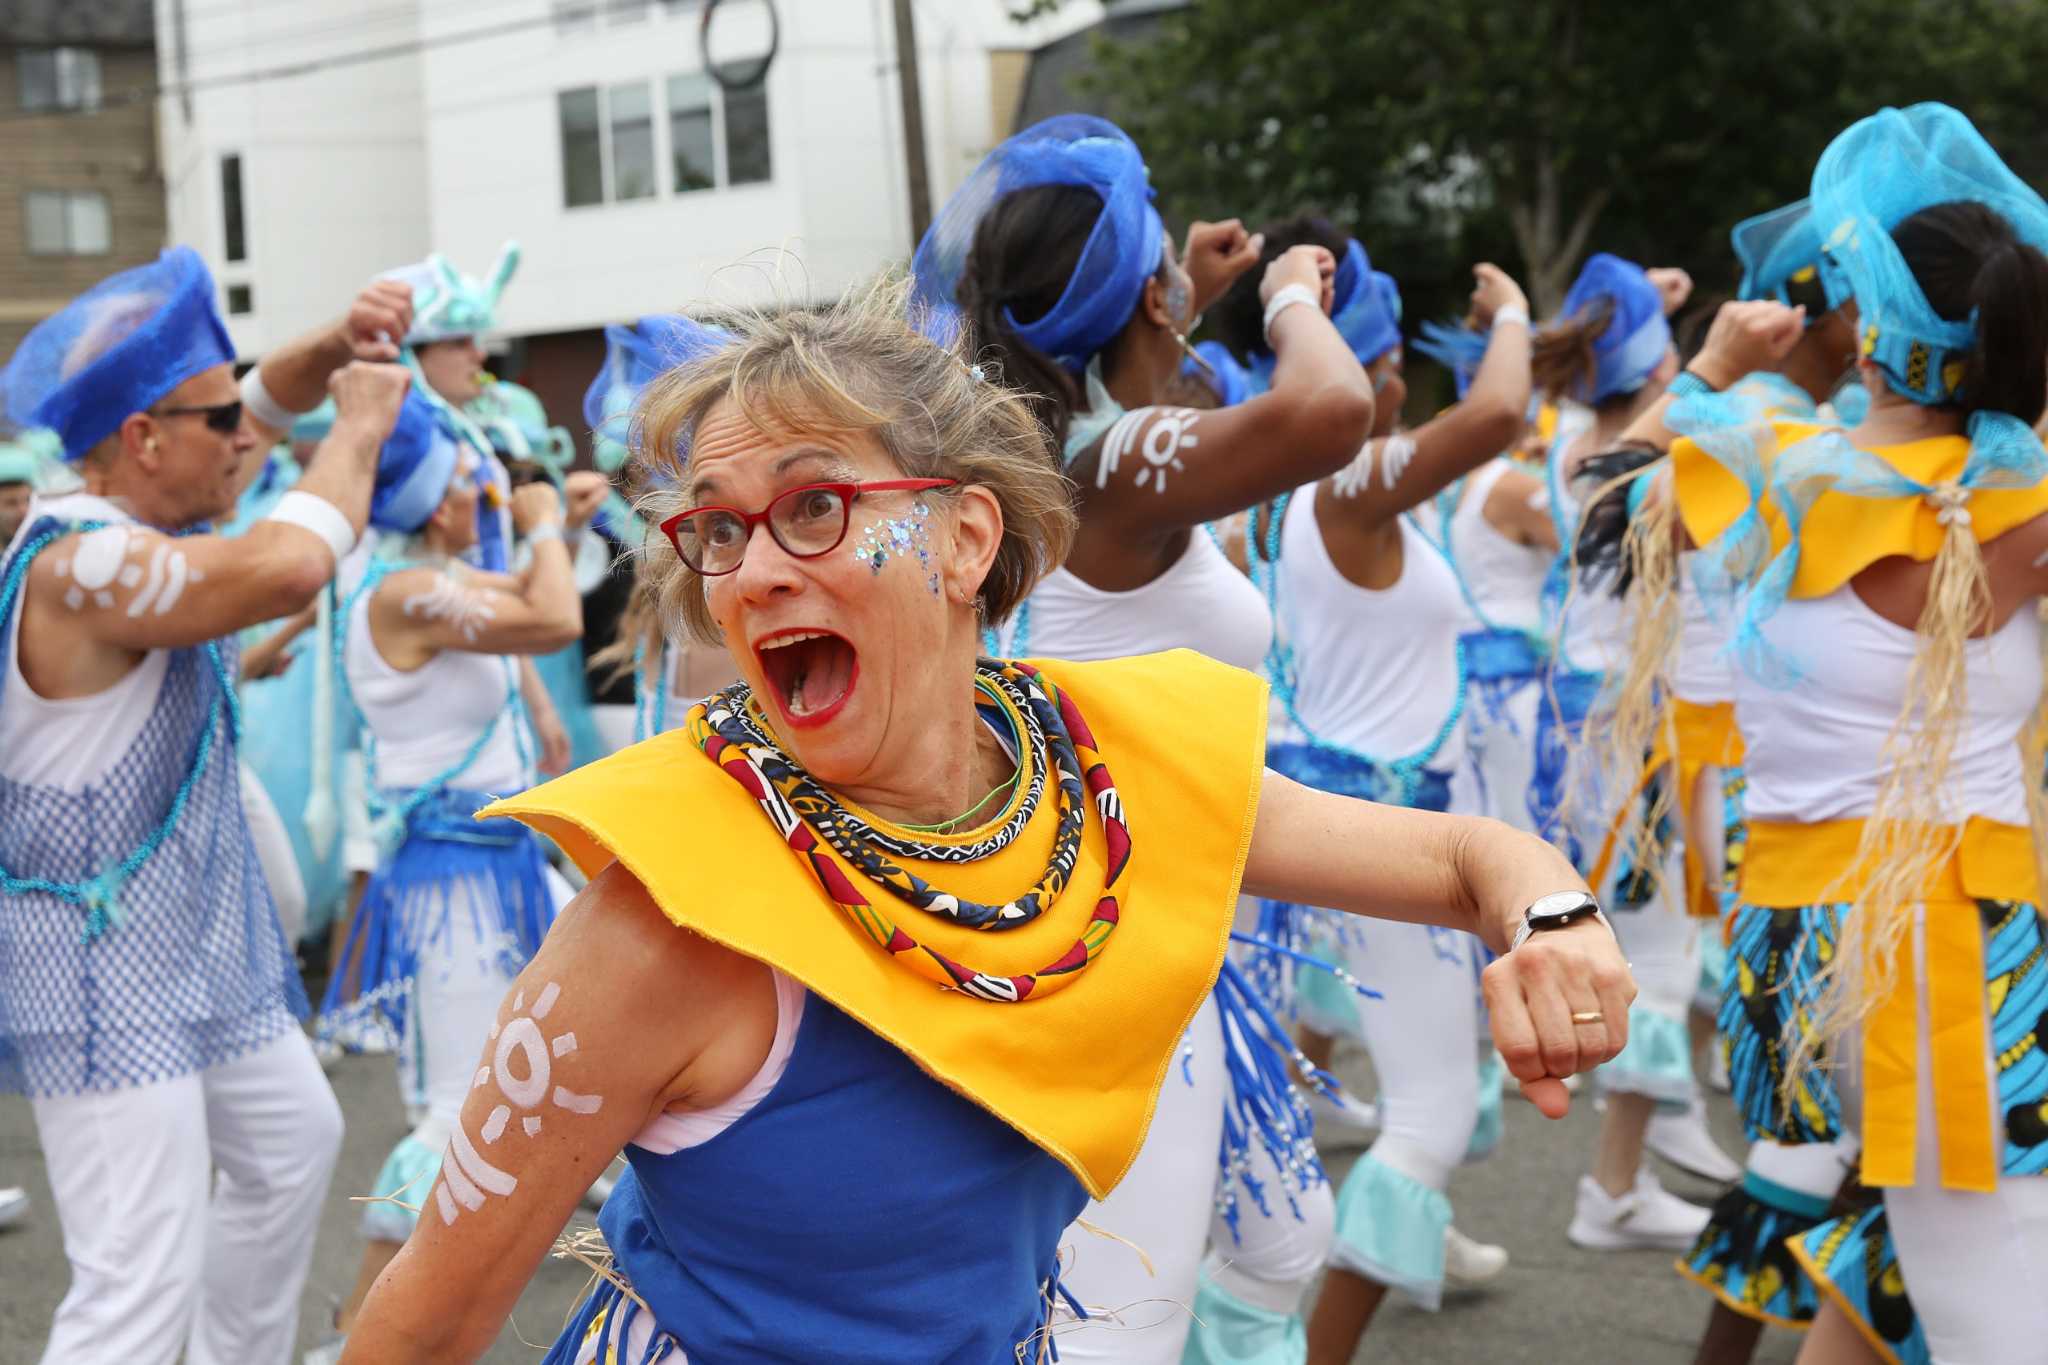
x: 1560, y: 903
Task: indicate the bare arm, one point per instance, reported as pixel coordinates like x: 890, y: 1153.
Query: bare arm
x: 1463, y: 872
x: 129, y: 588
x: 1395, y: 473
x: 268, y: 657
x: 1163, y: 470
x: 623, y: 1014
x: 1745, y: 338
x: 296, y: 373
x: 417, y: 613
x: 1518, y: 506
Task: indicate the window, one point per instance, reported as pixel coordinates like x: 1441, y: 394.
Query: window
x: 613, y: 143
x: 582, y: 149
x: 746, y: 136
x: 241, y: 300
x: 632, y: 121
x: 68, y: 223
x: 690, y: 136
x: 58, y: 77
x: 236, y: 246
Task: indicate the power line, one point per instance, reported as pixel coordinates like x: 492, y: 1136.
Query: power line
x: 287, y: 71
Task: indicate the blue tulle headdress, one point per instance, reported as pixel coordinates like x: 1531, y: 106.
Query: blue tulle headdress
x: 1872, y: 177
x: 417, y: 464
x: 1781, y: 259
x: 1123, y: 250
x: 116, y: 349
x: 1367, y: 306
x: 634, y: 357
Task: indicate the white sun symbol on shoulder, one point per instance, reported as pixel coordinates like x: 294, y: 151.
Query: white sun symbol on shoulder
x: 522, y: 1064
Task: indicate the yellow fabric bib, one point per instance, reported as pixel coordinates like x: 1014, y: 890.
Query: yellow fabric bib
x: 1078, y: 1071
x: 1844, y: 534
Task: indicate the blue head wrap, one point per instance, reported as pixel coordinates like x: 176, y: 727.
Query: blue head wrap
x: 633, y: 358
x: 116, y: 349
x: 1123, y: 250
x: 1637, y: 336
x: 1233, y: 382
x: 1367, y: 308
x: 1877, y: 173
x: 1780, y: 251
x: 447, y: 304
x: 414, y: 469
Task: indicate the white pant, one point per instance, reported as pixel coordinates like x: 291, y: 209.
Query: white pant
x: 189, y: 1208
x: 274, y: 853
x: 1166, y: 1206
x: 1976, y: 1265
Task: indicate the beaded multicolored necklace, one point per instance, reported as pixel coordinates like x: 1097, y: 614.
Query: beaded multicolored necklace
x: 733, y: 735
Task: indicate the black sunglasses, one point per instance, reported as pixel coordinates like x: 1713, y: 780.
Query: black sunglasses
x: 224, y: 418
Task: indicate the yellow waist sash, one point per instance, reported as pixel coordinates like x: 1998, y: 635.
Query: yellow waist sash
x: 1706, y: 737
x: 1793, y: 865
x: 1077, y: 1071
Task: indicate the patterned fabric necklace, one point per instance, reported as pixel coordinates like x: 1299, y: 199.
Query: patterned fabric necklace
x: 734, y: 738
x: 847, y: 832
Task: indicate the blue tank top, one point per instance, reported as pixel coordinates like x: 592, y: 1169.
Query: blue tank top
x: 861, y: 1214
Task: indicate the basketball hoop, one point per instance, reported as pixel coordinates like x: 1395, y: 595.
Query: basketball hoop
x: 741, y: 75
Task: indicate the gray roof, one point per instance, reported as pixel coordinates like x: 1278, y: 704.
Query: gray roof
x: 115, y: 23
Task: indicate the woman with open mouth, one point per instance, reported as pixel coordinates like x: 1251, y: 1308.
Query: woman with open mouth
x: 889, y: 951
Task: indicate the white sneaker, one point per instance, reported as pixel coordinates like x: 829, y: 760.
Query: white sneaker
x: 1648, y: 1216
x: 1717, y: 1070
x: 13, y: 1205
x: 1468, y: 1264
x: 1343, y: 1111
x: 1683, y: 1140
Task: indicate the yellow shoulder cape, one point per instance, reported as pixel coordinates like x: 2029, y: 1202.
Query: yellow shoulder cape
x: 1844, y: 534
x: 1077, y: 1071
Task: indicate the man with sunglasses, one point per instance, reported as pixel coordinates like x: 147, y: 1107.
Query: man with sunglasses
x: 146, y: 991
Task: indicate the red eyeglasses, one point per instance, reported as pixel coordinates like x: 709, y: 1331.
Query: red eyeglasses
x: 806, y: 521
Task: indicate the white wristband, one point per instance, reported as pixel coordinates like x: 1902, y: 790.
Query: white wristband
x: 1285, y: 298
x: 547, y: 530
x: 258, y: 403
x: 311, y: 512
x: 1513, y: 313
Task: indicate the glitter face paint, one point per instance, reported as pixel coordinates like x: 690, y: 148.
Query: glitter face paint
x: 900, y: 538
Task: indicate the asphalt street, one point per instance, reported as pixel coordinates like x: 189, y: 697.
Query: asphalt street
x: 1555, y: 1303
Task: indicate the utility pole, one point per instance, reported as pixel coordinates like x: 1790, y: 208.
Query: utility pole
x: 913, y: 122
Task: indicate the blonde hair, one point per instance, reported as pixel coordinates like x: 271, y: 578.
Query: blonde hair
x: 1905, y: 840
x: 862, y: 365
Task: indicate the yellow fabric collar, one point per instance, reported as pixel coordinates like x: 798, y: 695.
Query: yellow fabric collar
x: 1844, y: 534
x: 1077, y: 1072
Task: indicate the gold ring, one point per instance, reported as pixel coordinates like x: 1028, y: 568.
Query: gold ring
x: 1588, y: 1017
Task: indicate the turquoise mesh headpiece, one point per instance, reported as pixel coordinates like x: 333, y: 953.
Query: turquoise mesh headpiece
x: 1123, y: 250
x: 516, y: 423
x: 1781, y: 259
x: 116, y: 349
x: 448, y: 304
x: 33, y: 457
x: 1876, y: 174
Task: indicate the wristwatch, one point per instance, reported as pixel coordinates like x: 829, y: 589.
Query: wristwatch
x: 1555, y: 911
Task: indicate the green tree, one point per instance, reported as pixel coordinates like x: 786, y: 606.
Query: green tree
x: 1444, y: 131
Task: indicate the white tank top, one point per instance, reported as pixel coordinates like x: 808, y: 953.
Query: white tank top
x: 1815, y: 749
x: 70, y: 744
x: 1376, y: 670
x: 424, y: 721
x: 1702, y: 672
x: 1504, y: 576
x: 1592, y: 627
x: 1201, y: 603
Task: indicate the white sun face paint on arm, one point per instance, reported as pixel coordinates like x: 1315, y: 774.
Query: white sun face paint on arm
x: 448, y: 600
x: 522, y: 1066
x: 115, y: 563
x: 1158, y: 435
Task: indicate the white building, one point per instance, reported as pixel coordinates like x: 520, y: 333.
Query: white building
x: 310, y: 144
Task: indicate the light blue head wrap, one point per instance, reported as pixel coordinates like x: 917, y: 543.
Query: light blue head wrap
x: 116, y: 349
x: 414, y: 469
x: 1123, y: 250
x: 1781, y: 258
x: 1879, y: 172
